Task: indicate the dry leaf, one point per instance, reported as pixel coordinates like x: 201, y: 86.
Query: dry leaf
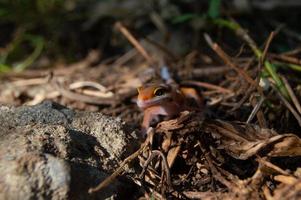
x: 242, y: 140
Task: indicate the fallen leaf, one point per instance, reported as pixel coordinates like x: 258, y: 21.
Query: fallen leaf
x: 241, y: 140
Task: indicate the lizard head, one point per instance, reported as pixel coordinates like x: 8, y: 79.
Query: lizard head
x: 153, y: 94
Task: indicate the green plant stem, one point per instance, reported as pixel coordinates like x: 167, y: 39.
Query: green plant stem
x: 4, y: 68
x: 269, y: 67
x: 39, y: 44
x: 295, y: 67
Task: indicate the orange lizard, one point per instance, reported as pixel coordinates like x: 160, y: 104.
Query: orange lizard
x: 166, y: 100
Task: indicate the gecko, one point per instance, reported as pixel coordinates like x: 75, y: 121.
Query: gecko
x: 162, y: 99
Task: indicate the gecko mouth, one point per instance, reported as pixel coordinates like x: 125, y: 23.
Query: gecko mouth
x: 152, y: 102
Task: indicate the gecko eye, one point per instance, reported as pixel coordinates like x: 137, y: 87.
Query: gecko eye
x: 160, y: 91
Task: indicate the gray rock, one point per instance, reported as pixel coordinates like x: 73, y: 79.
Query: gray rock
x: 51, y: 152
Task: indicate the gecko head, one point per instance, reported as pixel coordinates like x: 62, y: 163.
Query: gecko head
x: 153, y: 94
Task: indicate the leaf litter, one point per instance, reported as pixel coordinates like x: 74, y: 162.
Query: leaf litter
x: 244, y: 145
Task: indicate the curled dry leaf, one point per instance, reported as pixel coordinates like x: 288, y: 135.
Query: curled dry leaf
x: 172, y: 154
x: 241, y: 140
x: 288, y: 145
x: 173, y: 124
x: 180, y: 126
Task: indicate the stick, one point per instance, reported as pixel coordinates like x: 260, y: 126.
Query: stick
x: 288, y: 105
x: 134, y: 42
x: 120, y: 169
x: 228, y: 62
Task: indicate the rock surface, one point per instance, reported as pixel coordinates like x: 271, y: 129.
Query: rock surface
x: 51, y: 152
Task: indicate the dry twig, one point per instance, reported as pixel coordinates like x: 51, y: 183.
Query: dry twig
x: 134, y: 41
x: 126, y: 161
x: 288, y: 105
x: 292, y: 94
x: 228, y: 61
